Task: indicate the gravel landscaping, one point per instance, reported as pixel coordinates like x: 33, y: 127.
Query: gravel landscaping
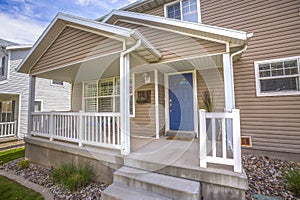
x: 265, y: 176
x: 40, y: 175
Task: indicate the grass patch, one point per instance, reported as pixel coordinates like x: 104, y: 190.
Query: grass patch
x: 10, y: 155
x: 292, y: 178
x: 73, y: 176
x: 10, y: 190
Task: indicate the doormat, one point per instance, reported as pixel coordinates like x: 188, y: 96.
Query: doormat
x: 173, y: 137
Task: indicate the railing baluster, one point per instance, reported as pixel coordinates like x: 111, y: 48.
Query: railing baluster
x: 214, y: 141
x: 114, y: 130
x: 109, y: 129
x: 104, y: 129
x: 224, y: 145
x: 101, y: 128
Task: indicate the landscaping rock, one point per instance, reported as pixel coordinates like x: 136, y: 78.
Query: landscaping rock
x: 266, y: 177
x: 40, y: 175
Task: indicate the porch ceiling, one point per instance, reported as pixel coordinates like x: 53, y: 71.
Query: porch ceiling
x: 198, y: 63
x: 126, y: 37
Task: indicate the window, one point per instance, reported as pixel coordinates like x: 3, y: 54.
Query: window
x: 7, y: 109
x: 278, y: 77
x: 3, y: 68
x: 186, y: 10
x: 37, y: 106
x: 104, y: 95
x: 56, y: 82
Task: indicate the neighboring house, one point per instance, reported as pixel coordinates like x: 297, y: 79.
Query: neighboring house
x: 142, y: 71
x: 14, y: 87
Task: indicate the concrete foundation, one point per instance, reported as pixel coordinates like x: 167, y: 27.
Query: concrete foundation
x: 52, y: 154
x: 175, y: 159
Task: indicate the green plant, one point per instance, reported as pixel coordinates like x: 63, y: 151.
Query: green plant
x: 208, y: 101
x: 73, y: 176
x: 24, y: 164
x: 292, y: 178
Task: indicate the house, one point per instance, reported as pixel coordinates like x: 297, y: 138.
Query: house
x: 139, y: 75
x: 14, y: 89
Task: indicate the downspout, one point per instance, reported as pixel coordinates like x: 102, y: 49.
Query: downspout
x: 231, y: 63
x: 124, y: 100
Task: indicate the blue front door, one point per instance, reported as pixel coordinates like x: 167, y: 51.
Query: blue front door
x: 181, y: 103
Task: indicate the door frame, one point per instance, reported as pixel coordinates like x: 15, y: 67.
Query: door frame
x: 195, y: 99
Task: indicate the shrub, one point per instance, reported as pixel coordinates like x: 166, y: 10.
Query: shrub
x: 73, y: 176
x: 24, y: 164
x: 292, y: 178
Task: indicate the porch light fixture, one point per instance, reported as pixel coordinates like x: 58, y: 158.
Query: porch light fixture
x: 146, y: 78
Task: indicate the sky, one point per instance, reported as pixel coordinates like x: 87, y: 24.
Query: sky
x: 23, y: 21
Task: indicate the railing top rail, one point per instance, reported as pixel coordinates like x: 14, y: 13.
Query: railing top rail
x: 100, y: 114
x: 6, y: 123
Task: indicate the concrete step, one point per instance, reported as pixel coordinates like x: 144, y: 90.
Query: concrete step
x: 168, y: 186
x: 121, y: 192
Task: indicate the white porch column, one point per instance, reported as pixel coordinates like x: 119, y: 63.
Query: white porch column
x: 31, y: 103
x: 228, y: 82
x: 125, y: 103
x: 156, y: 105
x: 229, y: 95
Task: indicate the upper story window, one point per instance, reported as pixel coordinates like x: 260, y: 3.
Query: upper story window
x: 186, y: 10
x: 278, y: 77
x: 3, y: 68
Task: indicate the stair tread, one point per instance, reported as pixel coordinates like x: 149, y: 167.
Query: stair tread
x: 122, y: 192
x: 174, y: 183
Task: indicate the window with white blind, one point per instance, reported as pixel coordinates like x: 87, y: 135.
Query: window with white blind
x: 278, y: 77
x: 185, y: 10
x: 3, y: 68
x: 104, y: 95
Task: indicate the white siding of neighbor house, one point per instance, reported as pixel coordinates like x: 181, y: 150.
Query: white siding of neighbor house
x: 52, y: 97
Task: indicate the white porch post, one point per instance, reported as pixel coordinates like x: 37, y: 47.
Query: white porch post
x: 229, y: 95
x: 156, y: 104
x: 31, y: 103
x: 125, y: 103
x: 228, y: 82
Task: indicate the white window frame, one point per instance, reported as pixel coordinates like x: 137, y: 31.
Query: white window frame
x: 58, y: 85
x: 180, y: 1
x: 4, y: 78
x: 39, y: 100
x: 113, y: 95
x: 278, y: 93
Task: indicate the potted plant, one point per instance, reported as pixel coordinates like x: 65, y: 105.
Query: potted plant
x: 209, y: 106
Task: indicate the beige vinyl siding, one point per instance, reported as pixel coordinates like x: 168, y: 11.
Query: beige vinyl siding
x: 143, y: 124
x: 273, y: 122
x: 161, y: 102
x: 158, y: 11
x: 174, y: 46
x: 211, y: 79
x: 74, y: 45
x: 76, y: 97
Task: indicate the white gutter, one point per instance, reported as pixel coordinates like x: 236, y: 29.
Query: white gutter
x: 124, y: 97
x: 131, y: 49
x: 231, y: 69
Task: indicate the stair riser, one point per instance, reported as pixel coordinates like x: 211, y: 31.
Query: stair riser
x: 152, y: 188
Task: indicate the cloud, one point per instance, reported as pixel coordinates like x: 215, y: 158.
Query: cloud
x: 20, y: 29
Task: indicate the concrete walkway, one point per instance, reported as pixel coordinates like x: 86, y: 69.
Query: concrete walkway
x: 37, y: 188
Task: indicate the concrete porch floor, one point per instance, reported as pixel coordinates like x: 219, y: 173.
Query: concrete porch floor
x: 182, y: 153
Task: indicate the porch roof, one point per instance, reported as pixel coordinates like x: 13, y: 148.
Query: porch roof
x: 61, y: 21
x: 218, y: 34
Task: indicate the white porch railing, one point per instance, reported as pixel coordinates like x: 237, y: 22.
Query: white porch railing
x: 229, y: 122
x: 98, y: 129
x: 7, y: 129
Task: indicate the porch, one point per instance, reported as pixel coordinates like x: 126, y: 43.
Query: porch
x: 9, y: 115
